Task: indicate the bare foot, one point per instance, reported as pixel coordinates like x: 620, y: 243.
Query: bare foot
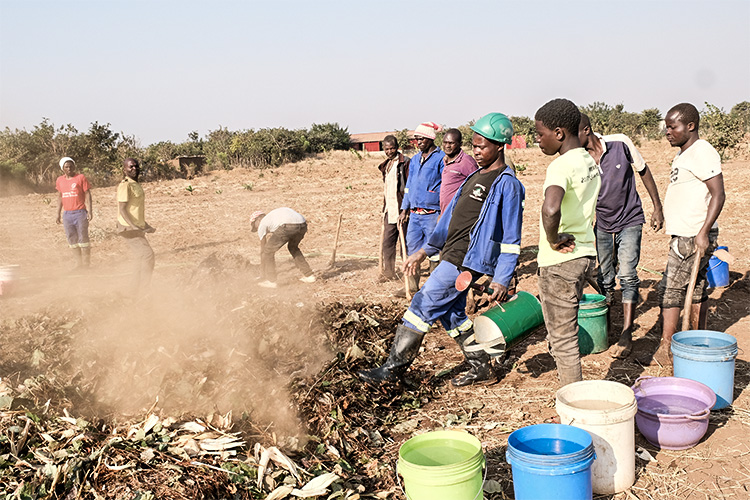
x: 624, y: 346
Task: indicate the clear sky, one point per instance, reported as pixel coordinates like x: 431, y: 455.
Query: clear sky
x: 160, y: 69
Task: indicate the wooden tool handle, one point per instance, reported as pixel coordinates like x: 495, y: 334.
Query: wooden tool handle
x: 380, y: 242
x: 403, y: 252
x: 690, y: 289
x: 335, y: 243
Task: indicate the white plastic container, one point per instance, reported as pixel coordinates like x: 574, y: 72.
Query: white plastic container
x: 8, y: 279
x: 606, y: 410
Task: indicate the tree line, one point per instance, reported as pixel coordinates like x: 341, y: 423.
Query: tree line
x: 31, y: 157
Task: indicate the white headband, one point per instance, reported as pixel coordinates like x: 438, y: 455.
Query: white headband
x: 66, y: 159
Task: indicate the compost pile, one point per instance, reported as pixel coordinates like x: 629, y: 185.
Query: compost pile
x: 61, y: 438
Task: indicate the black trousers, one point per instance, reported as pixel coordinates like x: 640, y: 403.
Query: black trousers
x: 390, y: 243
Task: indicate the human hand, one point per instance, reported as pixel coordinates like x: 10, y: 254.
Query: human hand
x: 499, y: 292
x: 89, y: 215
x: 657, y: 220
x: 565, y: 243
x: 403, y: 216
x: 58, y: 221
x: 411, y: 264
x: 700, y: 243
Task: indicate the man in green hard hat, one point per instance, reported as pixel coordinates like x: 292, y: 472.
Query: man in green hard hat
x: 479, y: 232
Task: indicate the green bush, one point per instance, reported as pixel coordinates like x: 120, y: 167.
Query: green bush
x: 722, y: 130
x: 326, y: 137
x: 402, y: 136
x: 741, y: 111
x: 466, y: 134
x: 216, y: 148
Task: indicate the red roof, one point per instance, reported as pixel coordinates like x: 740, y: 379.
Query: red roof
x: 374, y: 136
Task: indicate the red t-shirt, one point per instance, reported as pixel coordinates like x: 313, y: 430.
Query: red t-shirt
x: 72, y: 191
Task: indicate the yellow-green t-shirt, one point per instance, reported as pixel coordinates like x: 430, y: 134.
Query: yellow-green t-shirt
x: 576, y: 172
x: 130, y: 192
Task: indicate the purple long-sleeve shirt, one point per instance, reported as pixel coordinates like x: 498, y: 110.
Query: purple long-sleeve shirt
x: 455, y: 173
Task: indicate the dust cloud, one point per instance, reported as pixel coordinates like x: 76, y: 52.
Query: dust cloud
x: 199, y: 344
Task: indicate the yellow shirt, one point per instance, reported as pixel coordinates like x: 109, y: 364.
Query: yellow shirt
x: 576, y: 172
x: 130, y: 192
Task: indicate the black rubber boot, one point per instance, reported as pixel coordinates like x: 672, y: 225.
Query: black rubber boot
x: 480, y: 368
x: 403, y: 352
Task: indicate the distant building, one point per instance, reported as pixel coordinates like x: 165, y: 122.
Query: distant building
x: 374, y: 141
x: 518, y: 142
x: 188, y: 165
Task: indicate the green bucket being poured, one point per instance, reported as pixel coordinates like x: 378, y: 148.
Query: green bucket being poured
x: 442, y: 465
x: 506, y: 324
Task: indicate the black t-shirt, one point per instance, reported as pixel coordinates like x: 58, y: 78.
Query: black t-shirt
x: 466, y: 213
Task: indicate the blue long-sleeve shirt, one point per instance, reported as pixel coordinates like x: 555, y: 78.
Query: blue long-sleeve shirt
x: 495, y: 239
x: 423, y: 185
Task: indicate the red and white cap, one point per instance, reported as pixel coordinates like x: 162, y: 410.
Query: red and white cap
x: 255, y: 215
x: 427, y: 129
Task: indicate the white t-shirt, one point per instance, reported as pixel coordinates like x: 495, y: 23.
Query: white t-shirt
x: 687, y: 198
x: 390, y: 191
x: 278, y: 217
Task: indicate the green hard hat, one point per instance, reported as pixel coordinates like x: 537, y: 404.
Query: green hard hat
x: 495, y: 126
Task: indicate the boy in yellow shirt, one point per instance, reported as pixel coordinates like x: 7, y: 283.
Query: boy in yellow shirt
x: 567, y: 245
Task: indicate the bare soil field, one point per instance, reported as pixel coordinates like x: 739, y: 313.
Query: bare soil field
x: 182, y: 392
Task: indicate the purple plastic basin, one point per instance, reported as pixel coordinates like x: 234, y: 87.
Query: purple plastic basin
x: 672, y: 412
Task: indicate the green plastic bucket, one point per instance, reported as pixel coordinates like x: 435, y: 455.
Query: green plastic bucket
x: 442, y: 465
x: 503, y: 326
x: 592, y: 324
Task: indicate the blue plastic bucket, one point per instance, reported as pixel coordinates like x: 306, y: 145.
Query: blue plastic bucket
x: 551, y: 461
x: 718, y: 271
x: 707, y: 357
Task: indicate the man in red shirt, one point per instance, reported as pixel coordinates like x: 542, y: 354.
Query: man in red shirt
x: 457, y: 167
x: 74, y: 197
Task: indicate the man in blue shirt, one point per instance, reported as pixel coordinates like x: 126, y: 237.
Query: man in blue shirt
x: 479, y: 232
x: 619, y: 220
x: 421, y: 203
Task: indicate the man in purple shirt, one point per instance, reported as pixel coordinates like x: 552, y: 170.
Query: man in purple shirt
x: 620, y: 220
x: 458, y: 166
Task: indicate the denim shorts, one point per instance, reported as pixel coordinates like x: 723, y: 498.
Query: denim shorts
x: 76, y: 224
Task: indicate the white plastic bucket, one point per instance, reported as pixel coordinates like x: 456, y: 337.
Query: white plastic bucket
x: 606, y: 410
x: 8, y: 279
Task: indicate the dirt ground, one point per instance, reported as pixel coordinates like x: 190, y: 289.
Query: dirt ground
x: 212, y: 218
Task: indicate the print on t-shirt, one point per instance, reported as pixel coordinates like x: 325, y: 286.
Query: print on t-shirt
x: 479, y: 192
x: 673, y: 175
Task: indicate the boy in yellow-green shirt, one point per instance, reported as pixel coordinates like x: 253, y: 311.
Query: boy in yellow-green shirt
x: 567, y: 245
x: 132, y: 223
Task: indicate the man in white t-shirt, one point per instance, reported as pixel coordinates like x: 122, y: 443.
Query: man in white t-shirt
x: 395, y: 170
x: 279, y: 227
x: 694, y: 199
